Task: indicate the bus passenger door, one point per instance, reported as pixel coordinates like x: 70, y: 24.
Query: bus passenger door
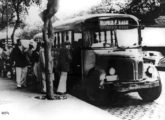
x: 89, y: 61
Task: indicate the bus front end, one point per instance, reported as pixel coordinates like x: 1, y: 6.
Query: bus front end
x: 125, y: 71
x: 114, y: 62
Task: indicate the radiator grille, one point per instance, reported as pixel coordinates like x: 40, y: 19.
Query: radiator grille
x: 124, y: 67
x: 140, y: 70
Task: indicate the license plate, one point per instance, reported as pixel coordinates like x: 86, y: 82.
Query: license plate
x: 111, y: 78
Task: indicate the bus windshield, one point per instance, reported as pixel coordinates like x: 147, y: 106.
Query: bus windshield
x: 127, y: 38
x: 114, y: 38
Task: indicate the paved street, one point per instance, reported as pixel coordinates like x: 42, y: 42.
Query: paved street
x: 21, y: 104
x: 131, y: 107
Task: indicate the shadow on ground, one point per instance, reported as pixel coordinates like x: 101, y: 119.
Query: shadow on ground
x: 121, y: 100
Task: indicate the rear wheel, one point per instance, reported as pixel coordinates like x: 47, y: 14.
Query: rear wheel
x: 94, y: 94
x: 151, y: 94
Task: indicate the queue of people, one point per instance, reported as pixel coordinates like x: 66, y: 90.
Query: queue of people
x: 23, y: 59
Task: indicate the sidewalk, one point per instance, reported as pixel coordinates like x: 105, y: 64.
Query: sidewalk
x: 22, y: 105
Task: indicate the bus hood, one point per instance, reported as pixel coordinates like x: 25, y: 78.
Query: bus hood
x: 131, y: 53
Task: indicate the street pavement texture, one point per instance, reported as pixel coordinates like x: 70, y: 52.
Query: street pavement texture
x: 22, y: 105
x: 131, y: 106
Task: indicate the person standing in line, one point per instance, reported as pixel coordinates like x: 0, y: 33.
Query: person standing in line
x: 29, y: 53
x: 42, y: 68
x: 64, y: 67
x: 1, y: 62
x: 5, y: 57
x: 36, y: 66
x: 18, y: 56
x: 30, y: 74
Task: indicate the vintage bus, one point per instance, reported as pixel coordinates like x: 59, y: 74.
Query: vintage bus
x: 107, y: 57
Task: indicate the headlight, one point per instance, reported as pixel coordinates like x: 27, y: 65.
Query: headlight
x: 112, y: 71
x: 150, y: 71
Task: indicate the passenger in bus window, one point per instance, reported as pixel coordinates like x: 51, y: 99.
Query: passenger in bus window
x: 64, y: 67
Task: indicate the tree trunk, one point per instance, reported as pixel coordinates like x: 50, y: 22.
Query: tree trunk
x: 15, y: 26
x: 48, y: 37
x: 48, y: 58
x: 13, y: 33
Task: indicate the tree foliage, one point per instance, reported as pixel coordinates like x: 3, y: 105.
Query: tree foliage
x: 29, y: 32
x: 20, y: 6
x: 13, y: 12
x: 6, y: 13
x: 146, y: 10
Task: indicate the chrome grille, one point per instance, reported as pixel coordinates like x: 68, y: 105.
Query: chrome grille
x: 127, y: 69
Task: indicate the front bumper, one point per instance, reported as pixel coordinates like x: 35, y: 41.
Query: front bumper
x: 135, y: 86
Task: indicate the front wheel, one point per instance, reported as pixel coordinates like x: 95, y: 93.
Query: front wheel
x: 94, y: 94
x: 151, y: 94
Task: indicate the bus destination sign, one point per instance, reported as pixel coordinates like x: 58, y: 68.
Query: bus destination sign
x: 114, y: 24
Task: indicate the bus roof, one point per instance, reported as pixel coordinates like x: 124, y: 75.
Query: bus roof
x: 75, y: 23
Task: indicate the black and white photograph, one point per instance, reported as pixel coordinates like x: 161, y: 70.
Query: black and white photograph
x: 82, y: 59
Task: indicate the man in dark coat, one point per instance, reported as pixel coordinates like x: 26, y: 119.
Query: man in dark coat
x: 64, y: 67
x: 18, y: 56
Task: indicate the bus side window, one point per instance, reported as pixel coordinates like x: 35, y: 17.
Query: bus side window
x: 95, y: 40
x: 87, y: 39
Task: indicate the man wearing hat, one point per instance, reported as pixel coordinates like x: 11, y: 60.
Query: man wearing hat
x: 64, y: 67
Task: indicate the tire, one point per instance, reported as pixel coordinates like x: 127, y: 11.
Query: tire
x: 94, y: 94
x: 151, y: 94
